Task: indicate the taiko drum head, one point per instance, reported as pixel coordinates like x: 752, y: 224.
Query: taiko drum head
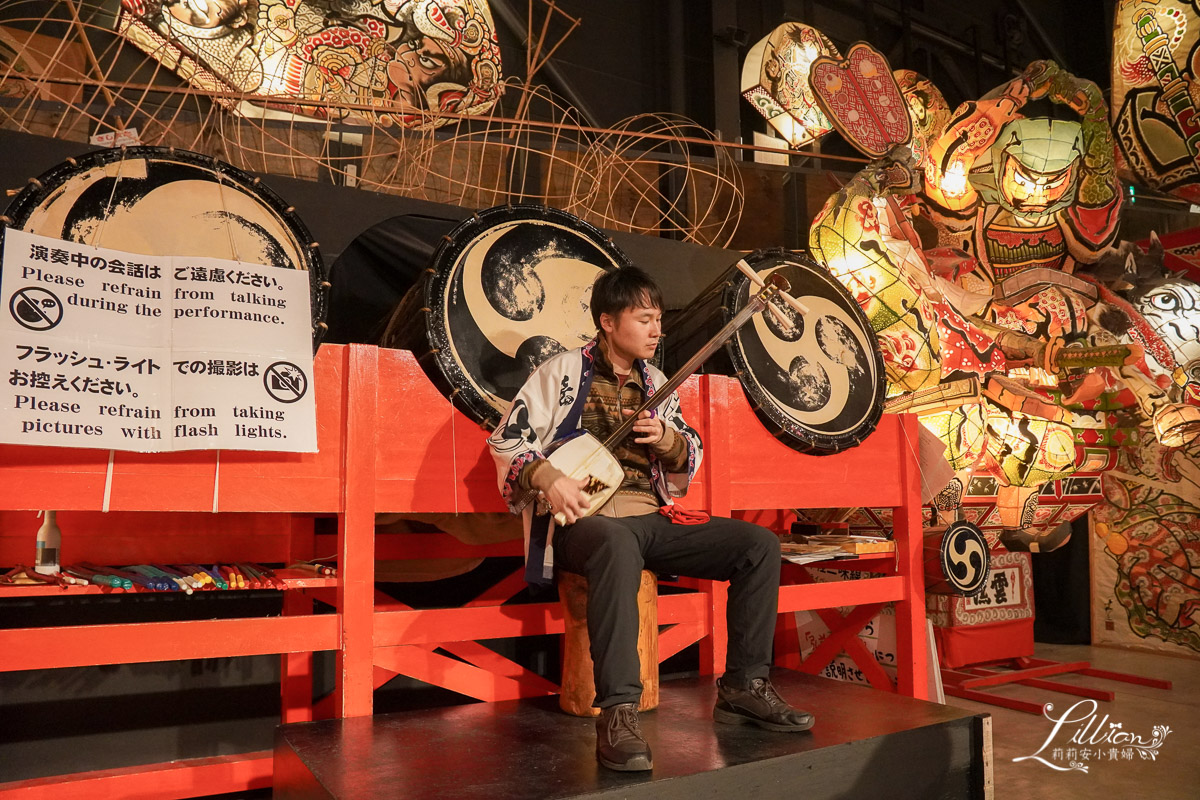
x: 508, y: 289
x: 959, y: 562
x: 819, y: 387
x: 165, y: 201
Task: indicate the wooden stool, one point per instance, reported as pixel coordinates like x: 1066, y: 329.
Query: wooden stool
x: 578, y: 682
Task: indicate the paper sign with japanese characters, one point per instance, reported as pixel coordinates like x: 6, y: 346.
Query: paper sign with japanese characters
x: 151, y: 353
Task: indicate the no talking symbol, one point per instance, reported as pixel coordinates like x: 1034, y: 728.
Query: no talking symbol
x: 35, y: 308
x: 285, y: 382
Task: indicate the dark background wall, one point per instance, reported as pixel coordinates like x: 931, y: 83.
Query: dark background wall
x: 630, y: 57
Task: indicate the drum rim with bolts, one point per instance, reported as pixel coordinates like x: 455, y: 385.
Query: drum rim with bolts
x: 450, y: 376
x: 726, y: 291
x: 946, y: 583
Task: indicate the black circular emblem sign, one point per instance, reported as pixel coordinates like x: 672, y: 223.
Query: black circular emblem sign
x: 966, y: 560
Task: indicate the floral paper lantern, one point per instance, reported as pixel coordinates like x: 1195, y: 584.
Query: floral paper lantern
x: 775, y: 81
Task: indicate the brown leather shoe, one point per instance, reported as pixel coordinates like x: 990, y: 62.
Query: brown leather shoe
x: 759, y: 705
x: 619, y: 742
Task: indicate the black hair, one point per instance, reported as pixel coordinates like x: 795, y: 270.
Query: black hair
x: 622, y: 288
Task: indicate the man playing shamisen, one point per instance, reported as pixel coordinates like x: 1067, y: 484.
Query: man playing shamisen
x: 594, y: 388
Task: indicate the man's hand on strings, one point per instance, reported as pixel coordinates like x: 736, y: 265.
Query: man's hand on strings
x: 566, y: 495
x: 649, y: 429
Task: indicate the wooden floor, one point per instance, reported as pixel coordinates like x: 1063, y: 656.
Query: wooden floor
x: 866, y: 743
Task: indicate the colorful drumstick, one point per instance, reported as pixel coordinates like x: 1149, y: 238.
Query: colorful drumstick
x: 104, y: 575
x: 239, y: 577
x: 178, y: 583
x: 99, y: 578
x: 780, y: 317
x: 252, y: 578
x: 257, y: 577
x: 79, y: 575
x: 191, y: 583
x: 197, y: 574
x: 208, y: 576
x: 270, y: 575
x: 233, y: 577
x: 219, y: 577
x: 124, y: 575
x: 159, y: 581
x: 155, y: 582
x: 230, y: 576
x: 151, y: 582
x: 130, y: 579
x: 200, y: 576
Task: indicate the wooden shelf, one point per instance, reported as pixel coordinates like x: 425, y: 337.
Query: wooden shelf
x: 295, y: 579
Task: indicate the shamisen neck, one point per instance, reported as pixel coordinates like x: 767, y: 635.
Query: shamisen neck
x: 756, y: 304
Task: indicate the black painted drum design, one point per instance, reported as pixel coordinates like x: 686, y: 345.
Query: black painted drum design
x: 168, y: 202
x: 818, y: 388
x: 957, y: 561
x: 507, y: 289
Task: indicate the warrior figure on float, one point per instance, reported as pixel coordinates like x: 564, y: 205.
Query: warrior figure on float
x: 982, y: 251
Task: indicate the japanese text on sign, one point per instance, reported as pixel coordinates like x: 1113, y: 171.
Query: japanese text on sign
x: 102, y: 348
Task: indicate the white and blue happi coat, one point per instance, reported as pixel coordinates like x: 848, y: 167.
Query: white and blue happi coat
x: 548, y: 408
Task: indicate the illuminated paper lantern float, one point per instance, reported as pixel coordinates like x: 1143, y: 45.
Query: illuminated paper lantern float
x: 862, y: 100
x: 853, y: 237
x: 399, y: 62
x: 1147, y: 552
x: 1155, y: 97
x: 775, y: 82
x: 927, y: 110
x: 975, y: 331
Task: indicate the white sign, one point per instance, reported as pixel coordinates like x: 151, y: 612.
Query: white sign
x: 121, y: 351
x: 128, y: 137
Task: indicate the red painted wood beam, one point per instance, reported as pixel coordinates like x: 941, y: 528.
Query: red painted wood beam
x: 995, y: 700
x: 994, y: 678
x: 191, y: 777
x: 356, y: 535
x: 808, y: 597
x: 1126, y: 678
x: 1068, y: 688
x: 88, y: 645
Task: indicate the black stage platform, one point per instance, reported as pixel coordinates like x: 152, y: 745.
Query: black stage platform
x: 866, y: 744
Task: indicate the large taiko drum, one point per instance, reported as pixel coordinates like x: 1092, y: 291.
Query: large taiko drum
x: 818, y: 387
x: 168, y: 202
x: 957, y: 559
x: 507, y: 289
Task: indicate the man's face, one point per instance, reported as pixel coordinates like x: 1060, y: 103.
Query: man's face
x: 417, y: 65
x: 207, y: 13
x: 634, y: 333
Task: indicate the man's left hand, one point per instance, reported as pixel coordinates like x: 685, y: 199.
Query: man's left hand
x: 649, y: 429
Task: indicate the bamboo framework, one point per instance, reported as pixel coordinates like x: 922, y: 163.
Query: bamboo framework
x: 67, y: 73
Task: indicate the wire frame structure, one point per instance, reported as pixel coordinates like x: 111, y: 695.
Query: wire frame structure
x: 66, y: 73
x: 648, y: 175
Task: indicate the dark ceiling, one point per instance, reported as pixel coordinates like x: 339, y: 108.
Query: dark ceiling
x: 631, y: 57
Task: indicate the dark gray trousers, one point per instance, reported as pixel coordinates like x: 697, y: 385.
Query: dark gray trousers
x: 612, y: 552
